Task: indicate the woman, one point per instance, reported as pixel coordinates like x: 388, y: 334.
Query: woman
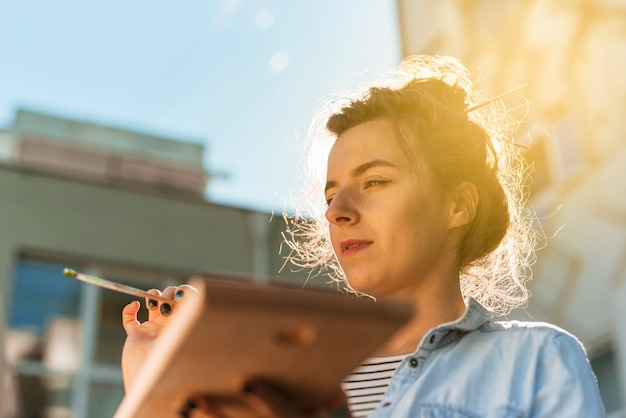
x: 424, y: 204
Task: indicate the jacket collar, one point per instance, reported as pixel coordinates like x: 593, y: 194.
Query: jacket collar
x: 474, y: 317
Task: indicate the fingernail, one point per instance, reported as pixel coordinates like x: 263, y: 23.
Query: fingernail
x: 152, y: 303
x: 179, y: 294
x: 166, y: 309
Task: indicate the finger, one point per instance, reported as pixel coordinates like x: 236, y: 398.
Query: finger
x: 177, y: 293
x: 165, y: 308
x: 185, y: 291
x: 129, y: 317
x: 153, y: 305
x: 169, y: 292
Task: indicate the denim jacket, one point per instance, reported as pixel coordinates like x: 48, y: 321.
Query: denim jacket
x: 473, y: 368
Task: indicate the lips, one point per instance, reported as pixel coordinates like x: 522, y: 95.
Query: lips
x: 352, y: 246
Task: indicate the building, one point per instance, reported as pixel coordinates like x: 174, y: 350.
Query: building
x: 572, y: 55
x: 126, y: 206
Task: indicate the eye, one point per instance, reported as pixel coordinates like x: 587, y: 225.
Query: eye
x: 329, y: 200
x: 374, y: 183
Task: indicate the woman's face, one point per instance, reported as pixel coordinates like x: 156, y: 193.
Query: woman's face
x: 388, y: 225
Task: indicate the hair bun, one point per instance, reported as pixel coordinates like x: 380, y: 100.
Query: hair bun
x: 452, y: 96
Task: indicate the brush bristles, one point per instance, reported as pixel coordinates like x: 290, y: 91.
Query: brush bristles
x: 69, y: 272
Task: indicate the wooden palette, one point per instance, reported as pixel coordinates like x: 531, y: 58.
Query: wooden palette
x: 303, y: 341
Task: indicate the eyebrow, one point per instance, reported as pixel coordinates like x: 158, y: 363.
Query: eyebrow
x: 362, y: 169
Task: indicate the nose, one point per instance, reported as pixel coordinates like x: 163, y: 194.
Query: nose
x: 342, y: 209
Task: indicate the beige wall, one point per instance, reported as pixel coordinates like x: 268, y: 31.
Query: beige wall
x: 572, y: 54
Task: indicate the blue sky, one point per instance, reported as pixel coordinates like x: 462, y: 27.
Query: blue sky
x: 243, y: 77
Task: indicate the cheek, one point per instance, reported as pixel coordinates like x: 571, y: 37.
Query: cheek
x: 332, y: 233
x: 424, y: 226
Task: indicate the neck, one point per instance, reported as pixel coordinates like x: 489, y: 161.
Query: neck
x: 431, y: 307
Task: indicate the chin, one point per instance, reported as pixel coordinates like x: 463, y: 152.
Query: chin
x: 363, y: 285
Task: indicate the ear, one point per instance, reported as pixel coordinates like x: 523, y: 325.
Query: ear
x: 462, y: 205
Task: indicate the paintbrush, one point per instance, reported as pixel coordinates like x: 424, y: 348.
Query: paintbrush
x: 118, y: 287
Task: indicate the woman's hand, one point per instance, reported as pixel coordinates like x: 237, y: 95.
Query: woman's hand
x: 140, y: 337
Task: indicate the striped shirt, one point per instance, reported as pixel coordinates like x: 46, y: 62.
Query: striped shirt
x: 367, y: 385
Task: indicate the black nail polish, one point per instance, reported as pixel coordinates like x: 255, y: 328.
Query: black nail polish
x: 179, y: 294
x: 152, y: 304
x: 166, y: 309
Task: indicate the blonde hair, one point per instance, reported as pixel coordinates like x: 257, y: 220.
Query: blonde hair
x: 434, y: 98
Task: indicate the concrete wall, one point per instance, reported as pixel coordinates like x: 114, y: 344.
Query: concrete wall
x: 74, y: 219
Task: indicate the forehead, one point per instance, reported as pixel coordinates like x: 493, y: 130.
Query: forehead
x: 367, y: 141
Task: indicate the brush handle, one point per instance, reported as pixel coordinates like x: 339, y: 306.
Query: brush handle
x: 118, y: 287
